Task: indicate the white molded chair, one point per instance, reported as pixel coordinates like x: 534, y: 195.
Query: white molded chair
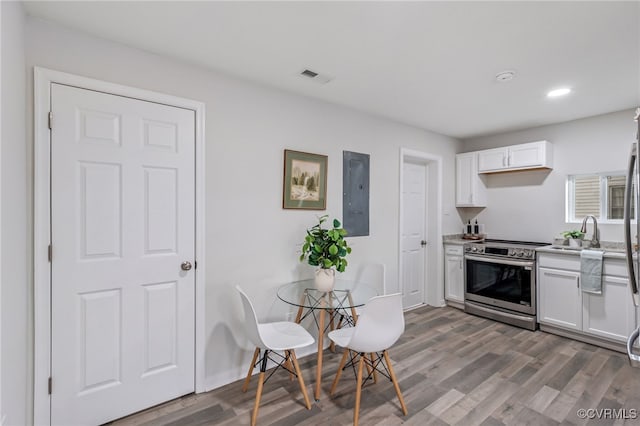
x: 373, y: 274
x: 379, y: 326
x: 282, y: 336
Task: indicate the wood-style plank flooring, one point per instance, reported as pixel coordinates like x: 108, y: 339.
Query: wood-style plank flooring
x: 453, y: 368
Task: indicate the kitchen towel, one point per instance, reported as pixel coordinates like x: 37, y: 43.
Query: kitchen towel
x: 591, y: 271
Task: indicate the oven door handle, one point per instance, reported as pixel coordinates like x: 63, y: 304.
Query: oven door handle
x: 487, y: 259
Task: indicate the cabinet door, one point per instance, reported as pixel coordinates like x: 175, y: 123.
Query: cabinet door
x: 560, y: 299
x: 464, y: 169
x: 492, y: 160
x: 470, y: 191
x: 454, y: 279
x: 612, y: 313
x: 526, y: 155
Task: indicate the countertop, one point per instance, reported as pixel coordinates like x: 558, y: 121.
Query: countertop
x: 611, y: 253
x: 456, y: 239
x: 612, y: 250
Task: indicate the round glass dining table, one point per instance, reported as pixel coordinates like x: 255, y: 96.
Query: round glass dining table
x: 345, y: 295
x: 341, y: 301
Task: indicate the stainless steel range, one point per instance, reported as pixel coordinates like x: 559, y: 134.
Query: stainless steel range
x: 500, y: 281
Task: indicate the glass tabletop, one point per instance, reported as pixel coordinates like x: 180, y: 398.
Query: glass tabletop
x: 304, y: 294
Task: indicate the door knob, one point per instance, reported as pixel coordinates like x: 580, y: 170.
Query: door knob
x: 186, y: 266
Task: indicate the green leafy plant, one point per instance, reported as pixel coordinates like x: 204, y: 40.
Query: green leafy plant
x: 573, y: 234
x: 326, y: 248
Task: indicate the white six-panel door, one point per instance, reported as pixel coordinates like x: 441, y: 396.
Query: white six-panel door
x: 413, y: 233
x: 122, y: 223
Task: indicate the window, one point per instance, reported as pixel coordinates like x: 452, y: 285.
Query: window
x: 615, y: 195
x: 600, y: 195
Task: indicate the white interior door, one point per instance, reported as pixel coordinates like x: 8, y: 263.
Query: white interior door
x: 413, y: 233
x: 122, y: 223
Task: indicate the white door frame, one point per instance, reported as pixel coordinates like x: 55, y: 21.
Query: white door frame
x: 43, y: 78
x: 434, y: 293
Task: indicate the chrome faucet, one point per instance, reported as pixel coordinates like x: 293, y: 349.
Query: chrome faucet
x: 595, y: 239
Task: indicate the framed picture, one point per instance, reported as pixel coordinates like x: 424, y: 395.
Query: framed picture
x: 305, y: 181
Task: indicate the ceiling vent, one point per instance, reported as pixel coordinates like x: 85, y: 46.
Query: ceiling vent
x: 315, y: 76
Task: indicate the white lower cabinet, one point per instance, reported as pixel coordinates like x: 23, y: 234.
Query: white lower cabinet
x: 453, y: 273
x: 610, y: 314
x: 561, y: 302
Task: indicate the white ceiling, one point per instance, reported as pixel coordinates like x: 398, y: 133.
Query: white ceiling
x: 428, y: 64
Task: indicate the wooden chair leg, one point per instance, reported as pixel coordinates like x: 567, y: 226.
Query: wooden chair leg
x: 356, y: 409
x: 370, y: 370
x: 373, y: 365
x: 245, y: 386
x: 287, y: 364
x: 254, y: 415
x: 343, y: 361
x: 303, y: 388
x: 395, y: 382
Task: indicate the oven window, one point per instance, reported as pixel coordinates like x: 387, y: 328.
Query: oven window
x: 508, y: 283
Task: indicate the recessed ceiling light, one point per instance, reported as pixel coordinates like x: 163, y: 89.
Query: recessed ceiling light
x: 503, y: 76
x: 559, y: 92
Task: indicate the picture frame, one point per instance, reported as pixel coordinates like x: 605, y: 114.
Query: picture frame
x: 304, y: 181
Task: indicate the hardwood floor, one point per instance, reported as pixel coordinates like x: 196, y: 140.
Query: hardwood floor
x: 453, y: 368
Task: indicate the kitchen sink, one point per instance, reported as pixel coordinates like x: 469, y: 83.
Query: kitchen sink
x: 566, y: 248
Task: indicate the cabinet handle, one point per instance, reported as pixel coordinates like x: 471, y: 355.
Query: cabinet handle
x: 460, y: 263
x: 470, y: 198
x: 504, y: 160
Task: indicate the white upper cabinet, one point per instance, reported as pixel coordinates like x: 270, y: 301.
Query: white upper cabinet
x: 492, y: 159
x: 533, y: 155
x: 470, y: 190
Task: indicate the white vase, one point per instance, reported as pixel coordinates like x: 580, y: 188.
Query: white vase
x: 575, y: 242
x: 325, y: 279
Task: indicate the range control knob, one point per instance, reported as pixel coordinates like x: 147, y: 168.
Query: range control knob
x: 474, y: 249
x: 519, y: 254
x: 512, y: 252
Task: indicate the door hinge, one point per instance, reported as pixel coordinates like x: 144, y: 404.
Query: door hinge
x: 50, y: 252
x: 195, y: 264
x: 50, y: 119
x: 49, y: 385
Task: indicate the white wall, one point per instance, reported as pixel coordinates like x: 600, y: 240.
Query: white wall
x: 16, y: 292
x: 250, y: 239
x: 531, y: 205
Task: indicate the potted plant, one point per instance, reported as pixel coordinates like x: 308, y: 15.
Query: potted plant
x: 574, y: 237
x: 326, y: 249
